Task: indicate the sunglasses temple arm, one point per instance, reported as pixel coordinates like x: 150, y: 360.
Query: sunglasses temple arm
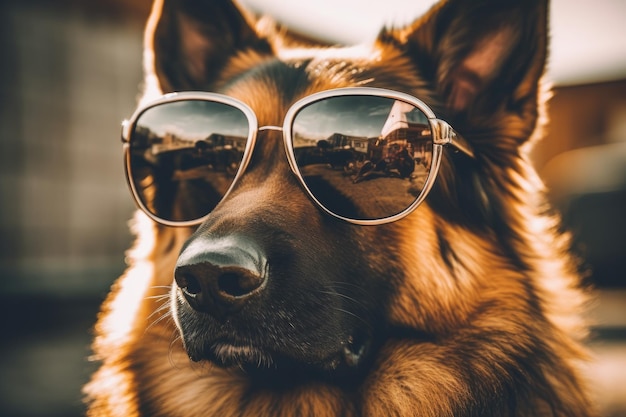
x: 444, y: 134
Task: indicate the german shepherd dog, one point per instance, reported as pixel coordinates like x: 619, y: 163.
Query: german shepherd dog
x: 342, y: 231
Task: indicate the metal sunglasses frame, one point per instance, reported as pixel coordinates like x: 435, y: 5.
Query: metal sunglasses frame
x: 442, y: 133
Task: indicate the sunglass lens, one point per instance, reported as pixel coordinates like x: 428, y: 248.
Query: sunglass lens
x: 184, y: 155
x: 363, y: 157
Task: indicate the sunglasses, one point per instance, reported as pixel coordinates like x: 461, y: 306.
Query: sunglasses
x: 364, y: 155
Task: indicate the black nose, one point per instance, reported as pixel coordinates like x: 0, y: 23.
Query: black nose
x: 219, y: 276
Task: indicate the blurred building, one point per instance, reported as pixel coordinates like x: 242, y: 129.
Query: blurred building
x: 69, y: 74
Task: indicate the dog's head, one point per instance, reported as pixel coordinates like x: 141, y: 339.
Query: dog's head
x: 270, y: 280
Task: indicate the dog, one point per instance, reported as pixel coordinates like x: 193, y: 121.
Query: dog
x: 259, y: 286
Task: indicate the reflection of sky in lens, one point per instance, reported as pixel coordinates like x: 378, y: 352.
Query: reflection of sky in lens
x: 358, y: 116
x: 195, y: 119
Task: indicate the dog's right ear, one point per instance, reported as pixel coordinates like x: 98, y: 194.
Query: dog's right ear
x: 188, y: 42
x: 481, y: 55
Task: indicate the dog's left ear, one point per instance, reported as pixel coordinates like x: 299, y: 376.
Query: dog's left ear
x: 188, y: 42
x: 480, y: 54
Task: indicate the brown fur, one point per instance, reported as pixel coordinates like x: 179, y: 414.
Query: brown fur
x: 480, y: 302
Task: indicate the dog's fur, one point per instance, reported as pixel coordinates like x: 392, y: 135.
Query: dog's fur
x: 470, y: 306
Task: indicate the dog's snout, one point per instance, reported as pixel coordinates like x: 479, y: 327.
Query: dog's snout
x: 219, y: 276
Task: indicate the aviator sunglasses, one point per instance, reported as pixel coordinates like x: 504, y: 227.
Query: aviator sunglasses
x: 364, y: 155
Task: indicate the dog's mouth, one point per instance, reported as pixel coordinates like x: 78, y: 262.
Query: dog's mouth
x: 350, y: 356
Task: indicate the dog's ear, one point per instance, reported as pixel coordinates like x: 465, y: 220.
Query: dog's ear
x: 188, y: 42
x: 479, y: 54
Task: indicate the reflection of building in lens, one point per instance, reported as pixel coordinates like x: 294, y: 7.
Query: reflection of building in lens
x: 220, y: 153
x: 171, y: 142
x: 413, y: 140
x: 220, y: 141
x: 406, y: 128
x: 405, y: 140
x: 144, y: 137
x: 356, y: 143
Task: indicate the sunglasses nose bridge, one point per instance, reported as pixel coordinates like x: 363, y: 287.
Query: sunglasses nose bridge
x: 263, y: 150
x: 274, y: 128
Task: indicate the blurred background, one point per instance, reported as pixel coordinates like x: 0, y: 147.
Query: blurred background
x: 70, y: 72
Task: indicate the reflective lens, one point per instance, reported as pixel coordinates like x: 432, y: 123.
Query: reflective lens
x: 184, y: 155
x: 363, y: 157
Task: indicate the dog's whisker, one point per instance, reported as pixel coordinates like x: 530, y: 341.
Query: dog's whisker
x: 349, y: 298
x: 163, y: 307
x: 164, y: 289
x: 161, y: 313
x: 348, y: 286
x: 341, y: 295
x: 156, y: 322
x: 157, y: 297
x: 160, y: 318
x: 350, y: 313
